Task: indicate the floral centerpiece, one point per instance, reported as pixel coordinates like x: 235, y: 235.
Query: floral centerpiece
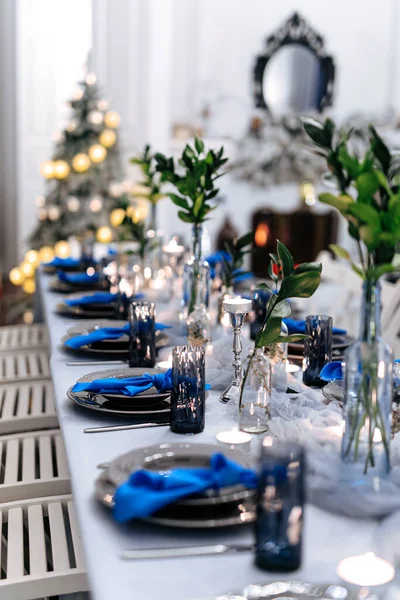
x: 368, y: 198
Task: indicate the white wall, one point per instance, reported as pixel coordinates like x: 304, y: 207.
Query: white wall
x: 53, y: 41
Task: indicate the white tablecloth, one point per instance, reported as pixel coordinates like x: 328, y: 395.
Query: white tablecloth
x: 328, y: 538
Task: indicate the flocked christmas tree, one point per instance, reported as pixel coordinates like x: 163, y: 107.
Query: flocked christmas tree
x: 81, y: 173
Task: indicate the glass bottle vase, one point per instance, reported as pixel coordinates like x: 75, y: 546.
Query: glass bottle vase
x: 255, y: 394
x: 368, y: 394
x: 195, y: 270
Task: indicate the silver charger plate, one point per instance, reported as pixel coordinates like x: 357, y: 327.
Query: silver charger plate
x: 290, y: 589
x: 117, y: 404
x: 237, y: 499
x: 88, y: 311
x: 107, y: 346
x: 64, y: 287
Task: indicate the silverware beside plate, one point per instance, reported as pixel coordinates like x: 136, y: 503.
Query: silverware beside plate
x: 183, y: 552
x: 122, y: 428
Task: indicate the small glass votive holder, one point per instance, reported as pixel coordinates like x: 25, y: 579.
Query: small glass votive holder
x: 280, y: 506
x: 142, y: 334
x: 188, y: 394
x: 317, y: 348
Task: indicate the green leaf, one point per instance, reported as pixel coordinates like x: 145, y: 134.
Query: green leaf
x: 329, y: 129
x: 377, y: 272
x: 245, y: 240
x: 293, y: 337
x: 307, y: 267
x: 271, y: 333
x: 198, y: 204
x: 185, y: 217
x: 365, y: 214
x: 199, y: 145
x: 179, y: 201
x: 357, y: 269
x: 383, y: 182
x: 300, y: 285
x: 285, y: 258
x: 367, y: 185
x: 264, y: 286
x: 271, y: 273
x: 281, y: 309
x: 340, y: 202
x: 370, y: 236
x: 339, y: 251
x: 350, y: 163
x: 315, y: 130
x: 380, y: 149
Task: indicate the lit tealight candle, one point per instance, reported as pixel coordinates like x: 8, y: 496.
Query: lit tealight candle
x: 237, y: 305
x: 234, y: 439
x: 366, y: 570
x: 174, y: 249
x: 165, y: 364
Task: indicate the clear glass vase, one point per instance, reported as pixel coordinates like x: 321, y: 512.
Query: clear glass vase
x: 368, y: 394
x: 277, y: 354
x: 199, y: 322
x: 255, y: 395
x: 195, y: 270
x: 155, y: 235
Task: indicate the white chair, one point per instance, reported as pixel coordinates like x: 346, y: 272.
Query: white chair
x: 33, y: 465
x: 22, y: 337
x: 40, y: 550
x: 26, y: 365
x: 27, y: 406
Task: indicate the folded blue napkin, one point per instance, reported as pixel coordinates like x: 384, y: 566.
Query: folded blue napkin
x: 129, y: 386
x: 299, y: 326
x: 99, y: 298
x: 63, y: 262
x: 146, y: 492
x: 78, y: 278
x: 104, y: 333
x: 217, y: 257
x: 331, y: 371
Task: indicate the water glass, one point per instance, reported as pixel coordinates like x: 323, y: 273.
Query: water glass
x: 317, y: 348
x: 142, y: 340
x: 188, y: 395
x: 280, y: 506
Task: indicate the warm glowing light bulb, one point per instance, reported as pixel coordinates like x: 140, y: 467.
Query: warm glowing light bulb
x: 71, y: 125
x: 73, y: 203
x: 40, y: 201
x: 16, y: 276
x: 28, y: 317
x: 117, y: 216
x: 61, y: 169
x: 96, y: 203
x: 261, y: 235
x: 78, y: 94
x: 95, y: 117
x: 97, y: 153
x: 29, y: 286
x: 103, y: 104
x: 27, y: 269
x: 32, y: 257
x: 107, y: 138
x: 91, y: 79
x: 47, y: 169
x: 42, y: 214
x: 46, y: 254
x: 62, y: 249
x: 112, y: 119
x: 81, y: 162
x: 54, y: 213
x: 104, y: 235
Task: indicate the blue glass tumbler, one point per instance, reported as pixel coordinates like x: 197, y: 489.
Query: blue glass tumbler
x: 280, y: 506
x: 188, y: 394
x: 317, y: 348
x: 142, y: 334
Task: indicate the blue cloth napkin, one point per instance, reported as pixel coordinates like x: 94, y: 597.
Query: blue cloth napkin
x: 216, y: 257
x: 100, y: 298
x: 104, y: 333
x: 146, y: 492
x: 332, y: 371
x: 63, y: 262
x: 78, y: 278
x: 299, y: 326
x: 129, y: 386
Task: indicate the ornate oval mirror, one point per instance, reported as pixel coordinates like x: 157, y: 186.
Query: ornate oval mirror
x: 294, y: 75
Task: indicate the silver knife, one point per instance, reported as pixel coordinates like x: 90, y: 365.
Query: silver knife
x: 182, y: 552
x: 93, y: 363
x: 122, y: 427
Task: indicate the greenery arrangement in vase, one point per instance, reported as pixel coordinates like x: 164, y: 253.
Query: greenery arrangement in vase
x: 369, y: 199
x: 297, y: 282
x: 194, y: 182
x: 150, y: 187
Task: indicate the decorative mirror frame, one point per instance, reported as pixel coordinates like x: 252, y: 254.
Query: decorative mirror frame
x: 295, y: 31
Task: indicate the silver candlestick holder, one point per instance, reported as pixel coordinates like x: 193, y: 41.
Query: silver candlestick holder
x: 237, y: 308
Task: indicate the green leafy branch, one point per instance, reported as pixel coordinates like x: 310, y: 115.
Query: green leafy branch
x: 196, y: 185
x: 146, y: 161
x: 369, y: 197
x: 233, y: 263
x: 297, y: 282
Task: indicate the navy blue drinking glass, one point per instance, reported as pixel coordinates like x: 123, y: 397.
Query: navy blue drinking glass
x: 188, y: 394
x: 317, y: 348
x: 280, y: 506
x: 260, y: 300
x: 142, y: 334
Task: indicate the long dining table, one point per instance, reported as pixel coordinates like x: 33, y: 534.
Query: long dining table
x: 327, y: 537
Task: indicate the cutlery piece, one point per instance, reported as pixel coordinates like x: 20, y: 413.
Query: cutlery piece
x: 182, y: 552
x: 94, y: 363
x: 103, y: 465
x: 122, y: 427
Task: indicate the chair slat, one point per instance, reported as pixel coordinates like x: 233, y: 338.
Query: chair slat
x: 28, y: 459
x: 11, y: 466
x: 58, y: 538
x: 37, y: 544
x: 15, y: 550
